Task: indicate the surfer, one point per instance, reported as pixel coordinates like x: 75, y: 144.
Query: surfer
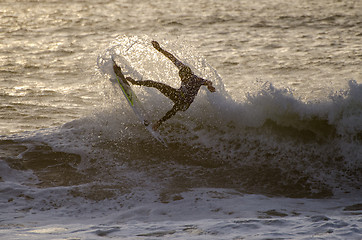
x: 182, y: 97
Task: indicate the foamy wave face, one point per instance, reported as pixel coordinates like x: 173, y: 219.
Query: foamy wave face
x: 309, y: 144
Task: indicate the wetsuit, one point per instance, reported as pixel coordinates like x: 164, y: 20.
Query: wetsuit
x: 182, y: 97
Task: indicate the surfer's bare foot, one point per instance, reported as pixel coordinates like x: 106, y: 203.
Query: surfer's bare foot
x: 146, y: 123
x: 156, y: 125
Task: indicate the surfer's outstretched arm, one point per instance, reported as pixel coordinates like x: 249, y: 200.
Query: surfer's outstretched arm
x: 173, y: 59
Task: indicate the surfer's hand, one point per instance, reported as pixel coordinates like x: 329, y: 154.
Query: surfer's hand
x: 156, y: 45
x: 210, y: 87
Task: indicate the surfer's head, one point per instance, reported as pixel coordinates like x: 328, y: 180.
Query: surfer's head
x: 185, y: 72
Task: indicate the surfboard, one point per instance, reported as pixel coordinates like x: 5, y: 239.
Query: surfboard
x: 135, y: 104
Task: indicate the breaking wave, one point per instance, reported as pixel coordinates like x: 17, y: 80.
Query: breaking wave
x: 271, y: 143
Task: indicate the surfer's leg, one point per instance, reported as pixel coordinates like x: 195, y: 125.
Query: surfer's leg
x: 165, y: 89
x: 167, y: 116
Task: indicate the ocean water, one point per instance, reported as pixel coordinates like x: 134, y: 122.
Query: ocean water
x: 274, y: 153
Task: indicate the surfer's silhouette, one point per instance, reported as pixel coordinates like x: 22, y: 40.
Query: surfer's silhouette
x: 182, y: 97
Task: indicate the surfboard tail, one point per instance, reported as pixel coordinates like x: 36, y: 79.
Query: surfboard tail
x: 156, y: 135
